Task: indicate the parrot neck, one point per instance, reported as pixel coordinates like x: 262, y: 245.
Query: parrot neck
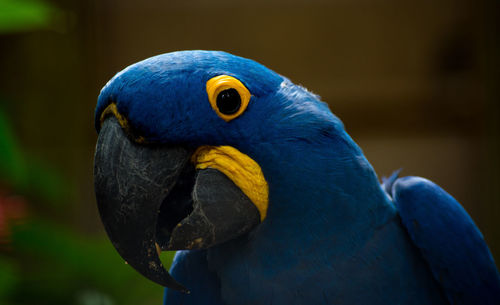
x: 335, y: 191
x: 326, y: 206
x: 323, y: 210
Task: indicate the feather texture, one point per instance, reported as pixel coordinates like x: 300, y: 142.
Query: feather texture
x: 449, y: 241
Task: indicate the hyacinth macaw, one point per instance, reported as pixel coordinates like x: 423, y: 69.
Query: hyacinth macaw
x: 266, y: 197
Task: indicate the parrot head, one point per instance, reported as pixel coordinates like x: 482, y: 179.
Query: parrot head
x: 198, y: 148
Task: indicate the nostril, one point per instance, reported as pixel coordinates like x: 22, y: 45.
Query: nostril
x: 102, y: 111
x: 112, y: 111
x: 103, y: 101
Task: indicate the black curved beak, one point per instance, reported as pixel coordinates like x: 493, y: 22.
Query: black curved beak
x: 151, y: 196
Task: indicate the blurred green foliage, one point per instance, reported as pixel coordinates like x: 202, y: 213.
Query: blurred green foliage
x: 25, y: 15
x: 25, y: 173
x: 61, y: 267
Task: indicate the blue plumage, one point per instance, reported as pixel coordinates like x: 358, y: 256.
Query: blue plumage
x: 449, y: 241
x: 191, y: 267
x: 332, y: 234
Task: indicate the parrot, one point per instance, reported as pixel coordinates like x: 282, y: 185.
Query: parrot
x: 266, y: 198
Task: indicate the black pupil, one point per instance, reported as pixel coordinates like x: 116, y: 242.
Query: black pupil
x: 228, y: 101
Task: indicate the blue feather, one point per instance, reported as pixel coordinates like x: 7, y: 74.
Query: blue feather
x: 191, y: 267
x: 449, y: 241
x: 388, y: 182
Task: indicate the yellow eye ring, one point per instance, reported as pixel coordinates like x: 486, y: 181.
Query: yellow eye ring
x: 228, y: 97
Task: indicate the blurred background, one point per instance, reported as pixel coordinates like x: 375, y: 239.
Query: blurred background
x: 415, y: 82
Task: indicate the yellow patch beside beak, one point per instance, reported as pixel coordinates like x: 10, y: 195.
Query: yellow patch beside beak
x: 238, y: 167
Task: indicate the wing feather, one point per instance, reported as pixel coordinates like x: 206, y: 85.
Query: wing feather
x: 449, y: 240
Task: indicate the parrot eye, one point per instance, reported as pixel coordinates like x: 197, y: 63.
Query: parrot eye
x: 228, y: 96
x: 228, y: 101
